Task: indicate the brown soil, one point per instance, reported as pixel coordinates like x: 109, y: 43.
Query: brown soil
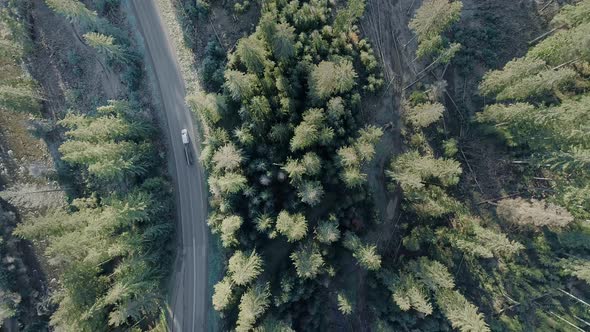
x: 488, y: 172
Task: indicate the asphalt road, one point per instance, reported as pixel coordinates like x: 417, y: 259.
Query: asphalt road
x: 188, y: 303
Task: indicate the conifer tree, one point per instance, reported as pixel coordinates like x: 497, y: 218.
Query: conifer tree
x: 227, y: 158
x: 241, y: 86
x: 244, y: 268
x: 344, y: 304
x: 329, y: 78
x: 73, y: 10
x: 425, y: 114
x: 293, y: 226
x: 310, y: 192
x: 252, y: 53
x: 222, y: 294
x: 253, y: 304
x: 229, y: 228
x: 106, y: 46
x: 308, y: 261
x: 327, y: 232
x: 431, y: 20
x: 462, y: 314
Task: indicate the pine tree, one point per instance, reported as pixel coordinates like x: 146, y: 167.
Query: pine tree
x: 409, y: 294
x: 462, y: 314
x: 253, y: 304
x: 310, y: 192
x: 308, y: 261
x: 227, y: 158
x: 411, y: 171
x: 496, y: 81
x: 365, y: 254
x: 230, y: 183
x: 74, y: 11
x: 293, y: 226
x: 533, y: 214
x: 259, y: 110
x: 346, y: 17
x: 579, y: 268
x: 206, y: 105
x: 432, y: 274
x: 244, y: 268
x: 327, y: 232
x: 280, y: 37
x: 252, y: 53
x: 423, y: 115
x: 544, y: 82
x: 308, y: 132
x: 432, y: 19
x: 241, y: 86
x: 344, y: 304
x: 572, y: 15
x: 368, y: 257
x: 222, y: 294
x: 329, y: 78
x: 229, y: 228
x: 105, y: 45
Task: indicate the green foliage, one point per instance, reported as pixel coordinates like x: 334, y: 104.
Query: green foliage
x: 241, y: 86
x: 18, y: 91
x: 75, y: 11
x: 432, y: 19
x: 253, y: 304
x: 308, y: 261
x: 423, y: 115
x: 309, y: 132
x: 8, y: 304
x: 222, y: 294
x: 572, y: 15
x: 128, y: 235
x: 327, y: 232
x: 244, y: 269
x: 484, y: 242
x: 109, y: 145
x: 227, y: 158
x: 344, y: 304
x: 579, y: 268
x: 293, y: 226
x: 106, y: 46
x: 330, y: 78
x: 463, y: 315
x: 365, y: 254
x: 413, y: 171
x: 346, y: 17
x: 206, y: 106
x: 252, y: 53
x: 229, y: 228
x: 212, y: 66
x: 310, y: 192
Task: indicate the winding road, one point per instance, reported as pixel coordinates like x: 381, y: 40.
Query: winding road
x: 189, y: 301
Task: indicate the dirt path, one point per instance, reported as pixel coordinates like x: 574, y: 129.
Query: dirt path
x: 385, y: 25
